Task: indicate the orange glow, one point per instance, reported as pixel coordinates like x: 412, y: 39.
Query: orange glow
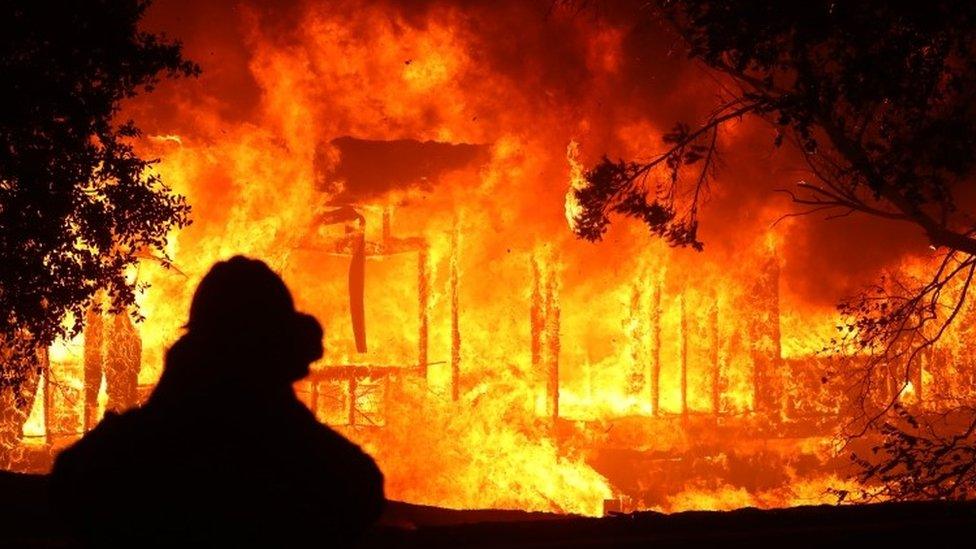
x: 559, y: 373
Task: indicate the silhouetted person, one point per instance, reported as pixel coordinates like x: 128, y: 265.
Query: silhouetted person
x: 223, y: 452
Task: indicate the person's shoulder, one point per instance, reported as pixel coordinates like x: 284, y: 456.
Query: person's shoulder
x: 118, y: 424
x: 313, y: 430
x: 113, y: 431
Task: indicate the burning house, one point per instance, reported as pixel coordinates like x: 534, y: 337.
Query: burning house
x: 483, y: 355
x: 701, y: 365
x: 362, y: 188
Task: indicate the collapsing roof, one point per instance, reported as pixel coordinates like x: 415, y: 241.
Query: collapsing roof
x: 368, y: 169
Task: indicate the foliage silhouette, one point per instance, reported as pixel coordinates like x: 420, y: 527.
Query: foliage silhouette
x: 878, y: 98
x: 78, y: 206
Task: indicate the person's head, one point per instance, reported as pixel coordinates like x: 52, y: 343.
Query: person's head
x: 243, y: 310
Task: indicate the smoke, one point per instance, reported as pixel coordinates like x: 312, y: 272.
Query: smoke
x: 611, y: 76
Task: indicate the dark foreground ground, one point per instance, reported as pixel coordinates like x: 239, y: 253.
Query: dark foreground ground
x: 26, y: 522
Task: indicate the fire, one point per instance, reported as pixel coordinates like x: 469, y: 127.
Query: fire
x: 907, y: 393
x: 507, y: 364
x: 576, y: 182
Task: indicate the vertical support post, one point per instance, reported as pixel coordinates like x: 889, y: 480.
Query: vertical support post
x: 637, y: 377
x: 455, y: 328
x: 943, y: 365
x: 50, y: 425
x: 684, y: 355
x: 352, y: 398
x: 544, y: 315
x: 552, y: 345
x: 423, y: 298
x: 357, y: 288
x: 123, y: 360
x: 713, y: 355
x: 777, y: 376
x: 535, y: 315
x: 928, y: 361
x: 892, y: 385
x: 93, y: 364
x: 765, y: 338
x: 655, y: 365
x: 313, y: 397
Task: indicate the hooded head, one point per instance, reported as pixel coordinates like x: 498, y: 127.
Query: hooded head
x: 243, y: 318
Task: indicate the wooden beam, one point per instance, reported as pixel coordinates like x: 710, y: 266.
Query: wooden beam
x: 352, y: 400
x: 713, y: 354
x: 655, y: 351
x: 455, y: 320
x: 535, y: 316
x: 357, y: 288
x: 684, y: 355
x: 313, y: 400
x: 423, y: 299
x: 341, y: 372
x: 50, y: 427
x: 93, y: 364
x: 637, y: 375
x: 553, y: 346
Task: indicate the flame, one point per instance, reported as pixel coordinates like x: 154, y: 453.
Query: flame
x: 907, y: 394
x: 509, y: 364
x: 577, y: 182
